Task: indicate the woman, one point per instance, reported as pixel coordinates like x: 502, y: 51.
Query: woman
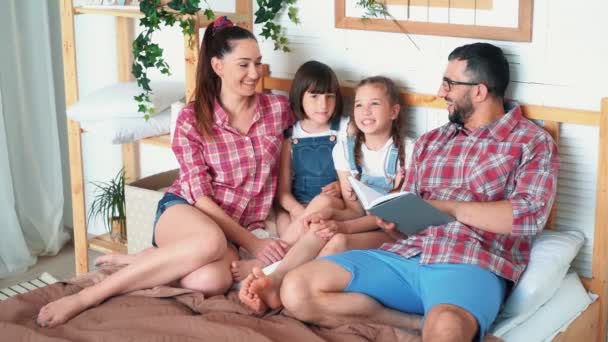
x: 227, y: 142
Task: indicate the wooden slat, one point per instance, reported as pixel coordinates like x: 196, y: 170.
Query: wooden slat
x: 74, y: 142
x: 553, y: 128
x: 245, y: 8
x: 599, y: 284
x: 161, y: 140
x: 260, y: 86
x: 103, y: 243
x: 561, y: 115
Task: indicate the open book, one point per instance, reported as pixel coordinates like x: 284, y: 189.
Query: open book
x: 408, y: 211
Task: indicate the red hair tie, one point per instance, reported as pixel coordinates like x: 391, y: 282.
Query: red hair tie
x: 221, y: 23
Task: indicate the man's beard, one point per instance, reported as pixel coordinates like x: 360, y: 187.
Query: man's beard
x: 461, y: 113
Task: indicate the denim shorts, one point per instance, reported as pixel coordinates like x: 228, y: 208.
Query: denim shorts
x: 406, y: 285
x: 168, y: 200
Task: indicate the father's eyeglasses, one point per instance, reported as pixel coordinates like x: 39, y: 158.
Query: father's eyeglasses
x: 447, y: 84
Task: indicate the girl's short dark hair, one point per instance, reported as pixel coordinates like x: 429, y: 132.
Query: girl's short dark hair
x: 317, y: 78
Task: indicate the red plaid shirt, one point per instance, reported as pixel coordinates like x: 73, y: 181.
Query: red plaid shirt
x: 510, y: 159
x: 239, y: 172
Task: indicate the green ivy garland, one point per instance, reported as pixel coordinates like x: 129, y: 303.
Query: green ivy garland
x: 147, y: 54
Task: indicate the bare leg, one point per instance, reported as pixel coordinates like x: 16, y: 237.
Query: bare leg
x: 313, y: 293
x: 119, y: 259
x: 447, y: 322
x: 187, y: 240
x: 296, y: 229
x: 345, y: 242
x: 283, y: 221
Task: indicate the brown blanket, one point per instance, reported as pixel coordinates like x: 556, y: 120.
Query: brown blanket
x: 169, y: 314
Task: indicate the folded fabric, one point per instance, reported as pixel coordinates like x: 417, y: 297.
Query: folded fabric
x: 117, y: 101
x: 125, y: 130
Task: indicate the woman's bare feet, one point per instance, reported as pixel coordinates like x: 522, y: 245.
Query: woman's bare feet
x: 114, y: 259
x: 260, y: 292
x: 242, y: 268
x: 62, y: 310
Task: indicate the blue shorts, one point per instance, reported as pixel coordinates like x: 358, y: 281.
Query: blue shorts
x: 408, y: 286
x: 168, y: 200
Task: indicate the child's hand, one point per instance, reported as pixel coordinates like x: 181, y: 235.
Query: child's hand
x: 317, y: 217
x: 391, y: 229
x: 350, y: 194
x: 268, y: 251
x: 332, y: 189
x: 327, y: 229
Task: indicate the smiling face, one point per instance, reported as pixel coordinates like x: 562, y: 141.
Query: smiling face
x: 319, y: 107
x: 240, y: 69
x: 373, y: 111
x: 457, y: 96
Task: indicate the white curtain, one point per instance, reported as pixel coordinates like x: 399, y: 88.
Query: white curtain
x: 31, y: 185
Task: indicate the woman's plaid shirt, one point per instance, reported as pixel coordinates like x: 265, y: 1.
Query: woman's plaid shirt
x: 239, y: 172
x: 511, y: 159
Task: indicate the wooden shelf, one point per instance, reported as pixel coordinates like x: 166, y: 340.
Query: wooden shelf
x: 133, y: 12
x: 115, y: 11
x: 103, y: 243
x: 161, y: 140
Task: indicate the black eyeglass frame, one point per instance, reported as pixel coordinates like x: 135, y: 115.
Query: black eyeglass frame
x: 450, y: 83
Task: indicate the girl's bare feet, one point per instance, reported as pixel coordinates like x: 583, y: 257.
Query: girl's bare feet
x: 260, y: 292
x: 242, y: 268
x: 62, y: 310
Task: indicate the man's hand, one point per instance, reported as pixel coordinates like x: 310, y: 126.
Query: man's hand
x: 391, y: 229
x: 326, y: 229
x: 332, y: 189
x: 268, y: 251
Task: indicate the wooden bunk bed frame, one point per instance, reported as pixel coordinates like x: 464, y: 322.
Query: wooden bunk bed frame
x: 589, y: 326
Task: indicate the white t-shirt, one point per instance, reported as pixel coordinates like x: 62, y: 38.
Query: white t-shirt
x: 299, y: 132
x: 373, y: 162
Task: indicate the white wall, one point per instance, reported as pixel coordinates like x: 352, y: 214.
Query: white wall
x: 563, y: 66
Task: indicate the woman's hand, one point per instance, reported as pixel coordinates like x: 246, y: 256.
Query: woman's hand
x: 268, y: 251
x: 326, y: 229
x: 332, y: 189
x: 391, y: 229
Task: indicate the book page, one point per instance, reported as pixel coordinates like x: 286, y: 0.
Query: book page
x: 386, y: 197
x: 365, y: 194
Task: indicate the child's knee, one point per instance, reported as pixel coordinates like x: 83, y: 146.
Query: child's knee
x: 210, y: 280
x: 337, y: 244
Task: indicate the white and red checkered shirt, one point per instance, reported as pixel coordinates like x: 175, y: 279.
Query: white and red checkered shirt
x: 511, y: 159
x: 239, y: 172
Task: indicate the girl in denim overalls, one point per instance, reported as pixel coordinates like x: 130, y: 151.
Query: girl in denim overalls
x: 307, y: 167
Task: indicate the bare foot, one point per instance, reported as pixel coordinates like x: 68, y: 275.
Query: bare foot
x: 260, y: 292
x: 61, y: 310
x: 114, y: 259
x: 242, y: 268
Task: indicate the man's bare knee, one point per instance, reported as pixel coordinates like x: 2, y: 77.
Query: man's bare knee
x: 296, y: 294
x: 447, y: 322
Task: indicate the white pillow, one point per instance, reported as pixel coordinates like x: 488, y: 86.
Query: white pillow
x: 117, y: 100
x: 552, y: 252
x: 124, y: 130
x: 570, y: 300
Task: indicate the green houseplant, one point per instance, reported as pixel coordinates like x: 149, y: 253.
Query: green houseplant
x: 109, y: 203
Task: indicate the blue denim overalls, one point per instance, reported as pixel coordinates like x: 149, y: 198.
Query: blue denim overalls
x: 312, y: 164
x: 381, y: 184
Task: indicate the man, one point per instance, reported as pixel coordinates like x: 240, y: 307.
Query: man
x: 491, y: 169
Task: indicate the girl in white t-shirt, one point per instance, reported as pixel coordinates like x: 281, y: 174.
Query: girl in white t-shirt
x: 377, y: 154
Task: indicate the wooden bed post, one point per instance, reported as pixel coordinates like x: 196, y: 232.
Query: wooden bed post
x: 74, y: 135
x: 600, y: 245
x: 124, y: 41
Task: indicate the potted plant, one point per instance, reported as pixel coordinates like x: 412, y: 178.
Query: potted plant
x: 109, y: 203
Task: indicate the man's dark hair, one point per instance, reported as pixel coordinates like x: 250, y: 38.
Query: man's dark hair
x: 486, y: 63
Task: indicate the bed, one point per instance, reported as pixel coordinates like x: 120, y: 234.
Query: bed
x: 170, y: 314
